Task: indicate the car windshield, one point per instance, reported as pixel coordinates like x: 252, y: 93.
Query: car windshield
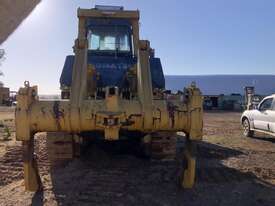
x: 109, y: 39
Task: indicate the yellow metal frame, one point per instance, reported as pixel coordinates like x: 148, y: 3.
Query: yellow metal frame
x: 181, y: 112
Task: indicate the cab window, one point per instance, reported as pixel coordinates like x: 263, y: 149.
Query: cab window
x: 266, y: 104
x: 109, y: 39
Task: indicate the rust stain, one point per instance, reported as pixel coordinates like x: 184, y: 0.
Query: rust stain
x: 58, y: 114
x: 171, y: 110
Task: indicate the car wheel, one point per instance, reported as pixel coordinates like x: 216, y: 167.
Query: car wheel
x: 246, y: 128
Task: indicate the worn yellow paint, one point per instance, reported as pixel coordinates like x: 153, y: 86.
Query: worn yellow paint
x: 92, y: 13
x: 58, y: 116
x: 189, y: 172
x: 31, y: 176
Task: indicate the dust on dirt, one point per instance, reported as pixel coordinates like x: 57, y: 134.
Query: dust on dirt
x: 231, y: 170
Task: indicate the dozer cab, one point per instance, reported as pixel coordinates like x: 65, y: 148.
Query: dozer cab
x: 112, y: 87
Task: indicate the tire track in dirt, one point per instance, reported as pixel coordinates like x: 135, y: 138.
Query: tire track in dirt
x: 11, y: 165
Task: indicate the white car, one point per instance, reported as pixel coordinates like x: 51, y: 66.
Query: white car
x: 261, y: 119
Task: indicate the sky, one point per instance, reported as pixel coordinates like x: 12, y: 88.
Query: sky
x: 192, y: 37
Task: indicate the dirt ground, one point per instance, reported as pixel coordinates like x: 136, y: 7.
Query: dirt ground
x: 231, y: 170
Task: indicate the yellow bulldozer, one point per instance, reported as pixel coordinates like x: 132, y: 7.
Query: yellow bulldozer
x: 112, y: 87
